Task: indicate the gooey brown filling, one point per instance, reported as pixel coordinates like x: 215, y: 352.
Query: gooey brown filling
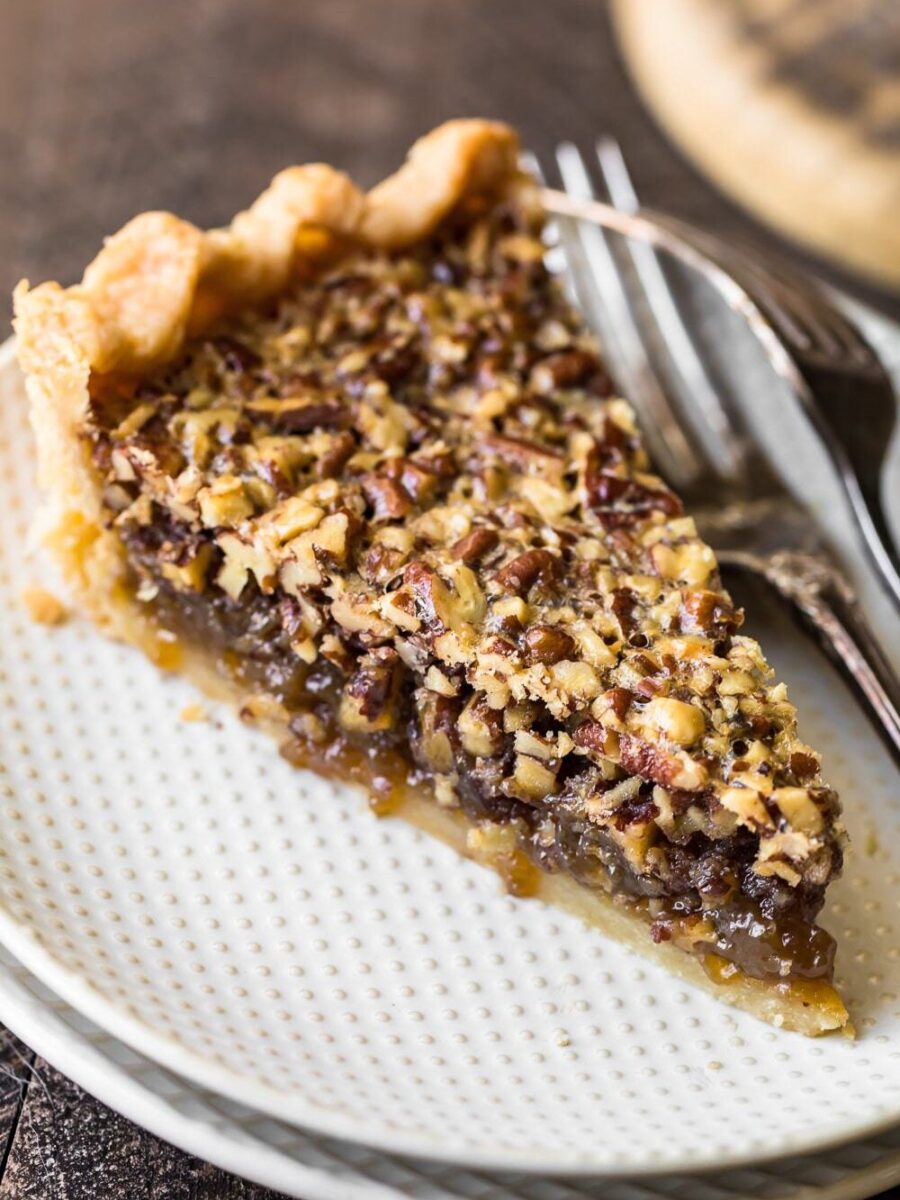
x: 423, y: 390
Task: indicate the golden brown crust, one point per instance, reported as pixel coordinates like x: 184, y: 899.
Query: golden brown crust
x: 159, y: 277
x: 457, y: 159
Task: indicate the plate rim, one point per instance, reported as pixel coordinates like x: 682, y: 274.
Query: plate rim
x: 80, y: 994
x: 56, y: 1048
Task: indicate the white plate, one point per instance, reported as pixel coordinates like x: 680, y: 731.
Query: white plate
x: 256, y: 929
x: 318, y: 1168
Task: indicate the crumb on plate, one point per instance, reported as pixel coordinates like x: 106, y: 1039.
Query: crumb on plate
x: 194, y: 712
x: 43, y: 607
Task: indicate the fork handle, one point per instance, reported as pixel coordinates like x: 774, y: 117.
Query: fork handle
x: 828, y: 606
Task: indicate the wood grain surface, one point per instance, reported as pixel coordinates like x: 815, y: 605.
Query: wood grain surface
x: 108, y: 107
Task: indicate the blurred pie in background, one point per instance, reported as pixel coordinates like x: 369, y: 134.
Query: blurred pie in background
x: 791, y: 106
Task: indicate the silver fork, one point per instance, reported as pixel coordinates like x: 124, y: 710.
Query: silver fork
x: 740, y: 505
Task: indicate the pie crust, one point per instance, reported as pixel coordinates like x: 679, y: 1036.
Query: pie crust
x: 160, y: 286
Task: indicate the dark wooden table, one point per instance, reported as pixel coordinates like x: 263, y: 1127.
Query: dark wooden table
x: 108, y: 107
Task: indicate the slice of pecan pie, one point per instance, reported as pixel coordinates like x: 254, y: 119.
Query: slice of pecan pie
x: 355, y: 462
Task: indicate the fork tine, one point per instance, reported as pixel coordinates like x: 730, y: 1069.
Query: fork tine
x: 555, y: 256
x: 697, y: 391
x: 598, y: 283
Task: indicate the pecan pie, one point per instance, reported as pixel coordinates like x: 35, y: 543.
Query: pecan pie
x: 356, y: 463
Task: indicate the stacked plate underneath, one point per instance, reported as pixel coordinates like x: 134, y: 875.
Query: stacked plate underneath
x: 243, y: 959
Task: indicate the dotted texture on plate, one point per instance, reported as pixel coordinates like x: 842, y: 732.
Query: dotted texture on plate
x: 257, y: 929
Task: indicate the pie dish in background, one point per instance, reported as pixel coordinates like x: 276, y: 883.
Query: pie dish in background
x: 808, y: 95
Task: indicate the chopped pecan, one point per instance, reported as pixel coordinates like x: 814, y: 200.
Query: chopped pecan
x: 619, y: 700
x: 291, y: 615
x: 637, y: 809
x: 472, y: 548
x: 548, y: 644
x: 605, y: 452
x: 480, y: 728
x: 527, y: 569
x: 427, y: 591
x: 236, y: 355
x: 382, y: 563
x: 624, y: 603
x: 438, y: 462
x: 388, y: 498
x: 434, y: 732
x: 419, y: 483
x: 301, y: 414
x: 708, y: 613
x: 567, y: 369
x: 651, y: 762
x: 521, y: 453
x: 394, y: 362
x: 591, y: 735
x: 622, y: 501
x: 804, y: 766
x: 332, y: 462
x: 532, y: 780
x: 368, y: 702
